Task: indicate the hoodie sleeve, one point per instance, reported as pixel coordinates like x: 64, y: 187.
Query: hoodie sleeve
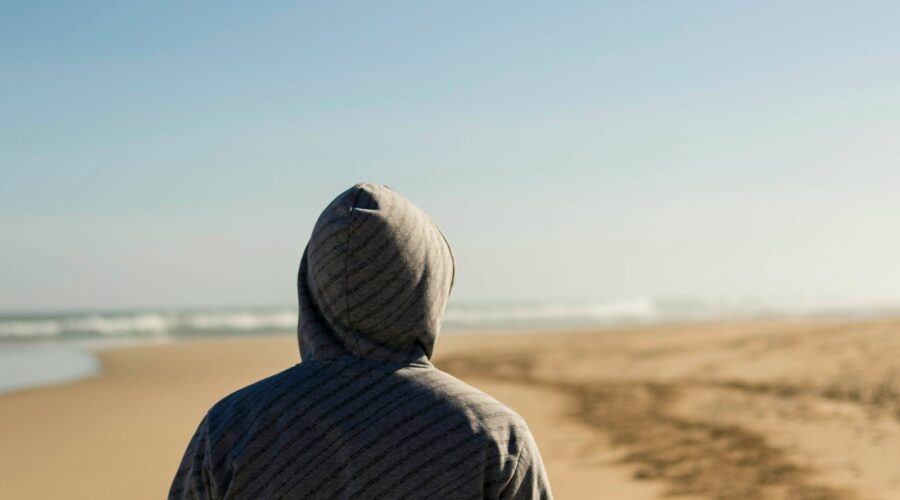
x: 192, y: 481
x: 529, y: 479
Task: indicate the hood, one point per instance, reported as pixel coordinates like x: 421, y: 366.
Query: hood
x: 374, y: 279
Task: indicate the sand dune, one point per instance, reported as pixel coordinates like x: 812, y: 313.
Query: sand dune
x: 801, y: 409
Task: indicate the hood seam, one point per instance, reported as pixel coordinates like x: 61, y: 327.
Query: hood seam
x: 348, y: 259
x: 452, y: 258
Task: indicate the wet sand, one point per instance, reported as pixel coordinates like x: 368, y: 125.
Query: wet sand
x: 778, y: 410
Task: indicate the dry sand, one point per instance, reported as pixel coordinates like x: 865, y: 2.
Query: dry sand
x: 799, y: 410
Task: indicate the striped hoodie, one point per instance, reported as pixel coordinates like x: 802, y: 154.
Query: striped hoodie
x: 365, y: 415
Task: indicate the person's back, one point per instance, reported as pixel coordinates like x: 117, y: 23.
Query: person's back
x: 365, y: 414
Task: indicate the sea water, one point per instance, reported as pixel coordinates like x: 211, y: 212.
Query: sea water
x: 28, y: 365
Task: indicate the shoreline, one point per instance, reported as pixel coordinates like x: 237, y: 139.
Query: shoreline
x: 72, y: 360
x: 773, y: 410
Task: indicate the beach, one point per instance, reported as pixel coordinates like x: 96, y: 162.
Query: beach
x: 799, y: 409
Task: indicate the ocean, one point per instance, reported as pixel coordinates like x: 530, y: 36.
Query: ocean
x: 42, y: 348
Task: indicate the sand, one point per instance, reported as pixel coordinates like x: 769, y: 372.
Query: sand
x: 789, y: 409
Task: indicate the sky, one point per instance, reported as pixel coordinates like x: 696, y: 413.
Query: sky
x: 177, y: 154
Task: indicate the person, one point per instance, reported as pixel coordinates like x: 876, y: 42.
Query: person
x: 365, y: 414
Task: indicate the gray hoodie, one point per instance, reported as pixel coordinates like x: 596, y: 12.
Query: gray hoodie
x: 365, y: 414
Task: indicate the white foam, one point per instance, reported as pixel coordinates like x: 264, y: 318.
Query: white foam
x: 30, y: 328
x: 148, y: 323
x: 163, y: 324
x: 244, y: 321
x: 119, y: 325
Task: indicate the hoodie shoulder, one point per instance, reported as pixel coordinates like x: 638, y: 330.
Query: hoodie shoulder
x: 512, y: 460
x: 489, y: 417
x: 247, y: 402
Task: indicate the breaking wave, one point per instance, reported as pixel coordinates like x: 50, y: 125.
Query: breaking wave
x: 148, y: 323
x: 459, y: 315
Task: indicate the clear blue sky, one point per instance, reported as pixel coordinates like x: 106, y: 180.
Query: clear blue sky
x: 178, y: 153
